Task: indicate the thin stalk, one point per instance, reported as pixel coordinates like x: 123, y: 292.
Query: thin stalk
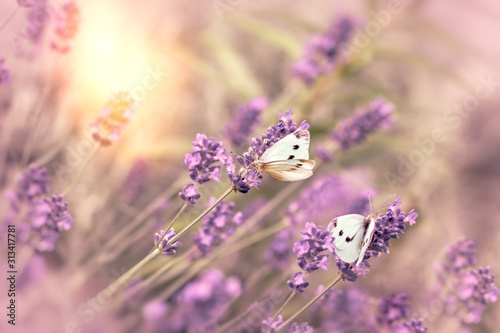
x: 202, y: 215
x: 9, y: 18
x: 281, y: 309
x: 175, y: 218
x: 82, y: 169
x: 311, y: 302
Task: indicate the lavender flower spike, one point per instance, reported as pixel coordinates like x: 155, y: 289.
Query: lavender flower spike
x: 413, y: 326
x: 206, y: 160
x: 115, y: 116
x: 248, y: 116
x: 269, y: 325
x: 33, y: 183
x: 168, y: 249
x: 298, y: 282
x: 190, y: 194
x: 355, y: 129
x: 50, y: 218
x: 310, y: 249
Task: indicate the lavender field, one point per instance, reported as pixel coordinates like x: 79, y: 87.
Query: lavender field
x: 249, y: 166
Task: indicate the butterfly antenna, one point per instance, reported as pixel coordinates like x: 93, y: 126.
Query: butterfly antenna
x: 369, y: 201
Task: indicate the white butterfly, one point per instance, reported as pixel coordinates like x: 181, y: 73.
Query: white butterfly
x: 288, y: 159
x: 353, y: 233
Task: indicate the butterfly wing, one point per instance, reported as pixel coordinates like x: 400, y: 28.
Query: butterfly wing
x: 289, y: 170
x: 348, y: 233
x: 294, y: 146
x: 369, y: 229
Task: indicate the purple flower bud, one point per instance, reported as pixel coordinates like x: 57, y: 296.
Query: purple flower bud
x: 50, y: 218
x: 247, y: 118
x: 190, y: 194
x: 300, y: 328
x: 33, y: 183
x: 269, y: 325
x: 168, y: 249
x: 310, y: 249
x: 393, y: 308
x: 413, y: 326
x: 354, y: 130
x: 460, y: 256
x: 206, y: 160
x: 298, y: 282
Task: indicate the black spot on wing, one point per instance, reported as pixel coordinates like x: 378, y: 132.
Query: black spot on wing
x: 348, y: 239
x: 291, y: 157
x: 341, y: 232
x: 295, y: 147
x: 300, y: 164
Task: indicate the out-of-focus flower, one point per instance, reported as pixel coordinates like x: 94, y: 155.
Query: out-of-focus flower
x: 201, y: 302
x: 310, y: 250
x: 387, y: 226
x: 413, y: 326
x: 67, y: 19
x: 257, y: 148
x: 322, y: 52
x: 154, y: 310
x: 298, y: 282
x: 217, y: 226
x: 247, y: 117
x: 355, y: 129
x: 345, y: 310
x: 205, y: 161
x: 460, y: 256
x: 301, y: 328
x: 115, y: 116
x: 4, y: 73
x: 168, y: 249
x: 277, y: 256
x: 190, y: 194
x: 50, y: 218
x: 268, y: 325
x: 473, y: 291
x: 392, y: 309
x: 38, y: 19
x: 136, y: 178
x: 33, y: 183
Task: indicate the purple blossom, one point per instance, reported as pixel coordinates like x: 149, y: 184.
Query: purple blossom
x: 242, y: 181
x: 190, y: 194
x: 217, y: 226
x: 50, y: 217
x: 38, y: 19
x: 301, y: 328
x: 168, y: 249
x: 201, y: 302
x: 355, y: 129
x: 4, y: 73
x: 115, y: 116
x: 33, y: 183
x: 413, y: 326
x: 136, y: 178
x: 345, y: 310
x: 392, y: 309
x: 298, y: 282
x: 322, y: 52
x: 246, y: 119
x: 460, y: 256
x: 206, y: 160
x: 277, y: 256
x: 387, y: 226
x: 154, y: 310
x: 268, y: 325
x: 310, y: 249
x: 473, y: 291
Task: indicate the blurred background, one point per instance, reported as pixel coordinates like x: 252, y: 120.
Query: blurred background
x: 190, y: 66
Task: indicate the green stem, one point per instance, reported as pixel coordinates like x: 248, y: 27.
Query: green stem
x: 175, y: 218
x: 82, y: 169
x: 202, y: 215
x: 311, y: 302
